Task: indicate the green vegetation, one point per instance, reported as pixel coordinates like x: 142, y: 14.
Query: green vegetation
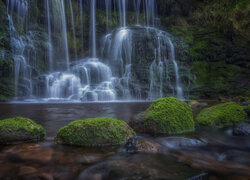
x: 20, y: 129
x: 169, y: 116
x: 221, y: 114
x: 95, y: 132
x: 217, y: 35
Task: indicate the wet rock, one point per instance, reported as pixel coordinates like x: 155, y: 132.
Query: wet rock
x: 197, y: 105
x: 242, y: 129
x: 139, y: 166
x: 179, y: 142
x: 64, y: 158
x: 95, y: 132
x: 137, y: 122
x: 32, y: 152
x: 37, y: 176
x: 90, y: 158
x: 148, y: 145
x: 165, y: 116
x: 221, y: 114
x: 142, y: 144
x: 24, y: 170
x: 223, y: 161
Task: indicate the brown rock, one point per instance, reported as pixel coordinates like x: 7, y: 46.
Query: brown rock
x: 24, y: 170
x: 32, y: 151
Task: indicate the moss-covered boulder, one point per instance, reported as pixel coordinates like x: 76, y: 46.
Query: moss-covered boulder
x: 19, y: 129
x: 222, y: 114
x: 168, y: 116
x: 95, y: 132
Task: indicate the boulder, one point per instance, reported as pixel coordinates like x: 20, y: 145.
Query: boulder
x: 221, y: 114
x: 242, y: 129
x: 165, y: 116
x: 19, y: 129
x: 95, y: 132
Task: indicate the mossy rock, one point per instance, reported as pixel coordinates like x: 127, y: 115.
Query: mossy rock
x: 222, y: 114
x: 95, y: 132
x: 19, y: 129
x: 169, y: 116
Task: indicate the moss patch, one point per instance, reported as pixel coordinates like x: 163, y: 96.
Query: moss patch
x: 221, y: 114
x: 169, y: 116
x: 95, y: 132
x: 20, y: 129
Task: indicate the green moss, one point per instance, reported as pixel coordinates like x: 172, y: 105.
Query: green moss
x: 95, y: 132
x: 169, y: 116
x: 19, y: 126
x: 215, y: 79
x: 221, y: 114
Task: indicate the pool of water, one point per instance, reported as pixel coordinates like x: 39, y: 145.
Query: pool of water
x: 55, y: 115
x: 205, y: 154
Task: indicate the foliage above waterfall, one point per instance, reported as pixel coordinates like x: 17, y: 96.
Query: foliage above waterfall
x: 20, y: 129
x: 222, y: 114
x: 95, y: 132
x: 169, y: 116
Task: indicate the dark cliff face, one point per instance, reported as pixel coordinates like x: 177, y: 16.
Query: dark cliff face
x: 217, y: 34
x: 6, y: 61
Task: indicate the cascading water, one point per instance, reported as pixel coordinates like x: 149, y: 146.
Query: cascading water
x: 179, y: 90
x: 135, y: 62
x: 73, y: 27
x: 64, y: 32
x: 50, y: 49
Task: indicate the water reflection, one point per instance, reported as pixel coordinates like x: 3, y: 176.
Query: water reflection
x: 54, y: 116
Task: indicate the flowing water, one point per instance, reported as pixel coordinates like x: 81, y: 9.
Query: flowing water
x: 50, y: 49
x: 118, y: 54
x: 206, y: 154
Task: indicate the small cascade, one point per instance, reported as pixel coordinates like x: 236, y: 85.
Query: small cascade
x: 73, y: 27
x: 20, y: 7
x: 50, y: 49
x: 81, y: 23
x: 137, y: 5
x: 22, y: 49
x: 108, y: 13
x: 92, y: 29
x: 64, y: 33
x: 62, y: 86
x: 179, y: 90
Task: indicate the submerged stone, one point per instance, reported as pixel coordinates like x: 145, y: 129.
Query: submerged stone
x: 166, y: 116
x: 19, y: 129
x: 242, y: 129
x: 95, y: 132
x: 222, y: 114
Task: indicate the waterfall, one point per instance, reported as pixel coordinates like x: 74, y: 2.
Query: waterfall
x: 137, y: 5
x: 81, y: 19
x: 177, y: 77
x: 20, y: 44
x: 73, y: 27
x: 93, y: 24
x: 64, y: 31
x: 135, y: 62
x: 50, y: 51
x: 108, y: 13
